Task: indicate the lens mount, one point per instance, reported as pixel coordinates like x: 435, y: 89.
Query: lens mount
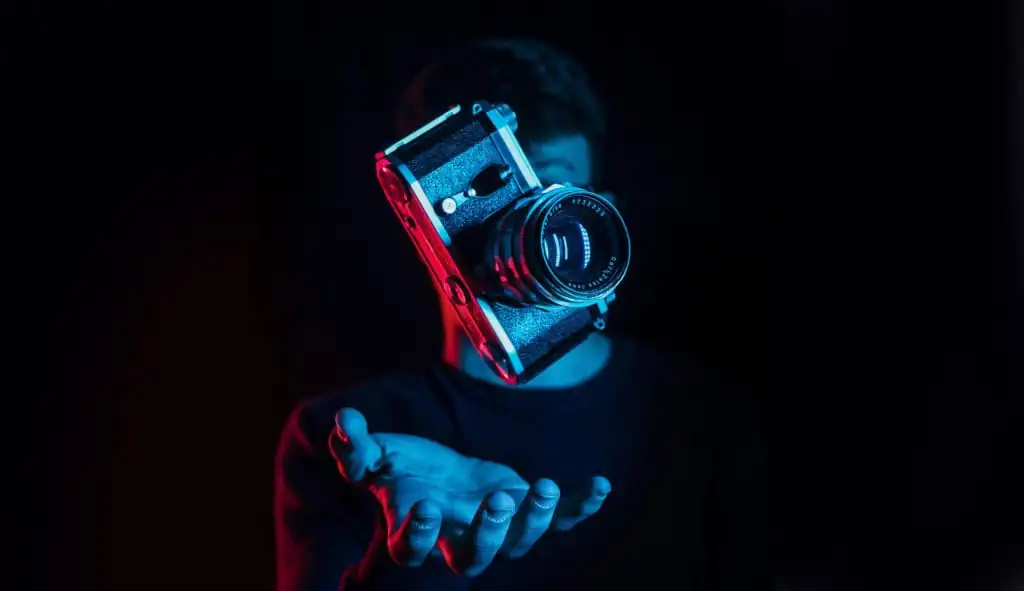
x: 565, y: 247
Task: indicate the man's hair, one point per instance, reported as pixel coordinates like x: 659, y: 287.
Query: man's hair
x: 550, y: 93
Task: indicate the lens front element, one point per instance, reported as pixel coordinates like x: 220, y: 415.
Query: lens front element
x: 566, y: 247
x: 581, y: 243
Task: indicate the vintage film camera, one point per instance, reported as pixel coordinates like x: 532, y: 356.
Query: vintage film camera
x: 529, y: 270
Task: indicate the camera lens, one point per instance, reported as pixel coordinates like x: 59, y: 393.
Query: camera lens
x: 566, y: 247
x: 577, y: 244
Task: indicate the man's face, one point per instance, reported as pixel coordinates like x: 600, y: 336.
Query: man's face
x: 562, y: 159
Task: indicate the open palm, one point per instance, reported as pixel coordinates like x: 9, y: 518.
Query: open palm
x: 434, y: 497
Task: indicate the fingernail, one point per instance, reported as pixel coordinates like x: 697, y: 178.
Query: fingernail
x: 424, y: 523
x: 543, y: 502
x: 426, y: 518
x: 497, y: 516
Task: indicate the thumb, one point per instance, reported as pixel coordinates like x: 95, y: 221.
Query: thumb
x: 353, y: 447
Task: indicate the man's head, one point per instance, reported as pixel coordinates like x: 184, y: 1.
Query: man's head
x: 561, y: 119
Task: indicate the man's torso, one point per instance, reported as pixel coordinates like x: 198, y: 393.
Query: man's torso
x: 616, y: 425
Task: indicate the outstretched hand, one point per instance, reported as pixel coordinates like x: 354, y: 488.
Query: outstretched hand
x: 437, y: 500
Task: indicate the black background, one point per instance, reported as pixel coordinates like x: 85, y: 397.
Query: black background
x: 820, y: 206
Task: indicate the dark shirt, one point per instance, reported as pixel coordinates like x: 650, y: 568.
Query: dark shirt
x: 678, y: 448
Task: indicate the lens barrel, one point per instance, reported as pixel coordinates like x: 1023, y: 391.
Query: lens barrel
x: 564, y: 247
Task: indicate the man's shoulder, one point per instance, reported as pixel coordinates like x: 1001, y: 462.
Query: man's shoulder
x: 666, y: 364
x: 697, y: 387
x: 649, y: 351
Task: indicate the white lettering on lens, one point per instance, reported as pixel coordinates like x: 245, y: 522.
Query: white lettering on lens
x: 601, y: 279
x: 589, y: 204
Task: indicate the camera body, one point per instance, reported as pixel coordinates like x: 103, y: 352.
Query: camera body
x: 529, y: 270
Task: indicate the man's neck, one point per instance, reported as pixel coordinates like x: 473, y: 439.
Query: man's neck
x: 576, y: 367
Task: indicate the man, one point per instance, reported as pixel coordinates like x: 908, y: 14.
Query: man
x: 616, y: 465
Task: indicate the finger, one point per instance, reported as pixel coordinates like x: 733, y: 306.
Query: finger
x: 600, y: 488
x: 412, y: 542
x: 485, y: 536
x: 352, y: 446
x: 533, y: 518
x: 583, y: 504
